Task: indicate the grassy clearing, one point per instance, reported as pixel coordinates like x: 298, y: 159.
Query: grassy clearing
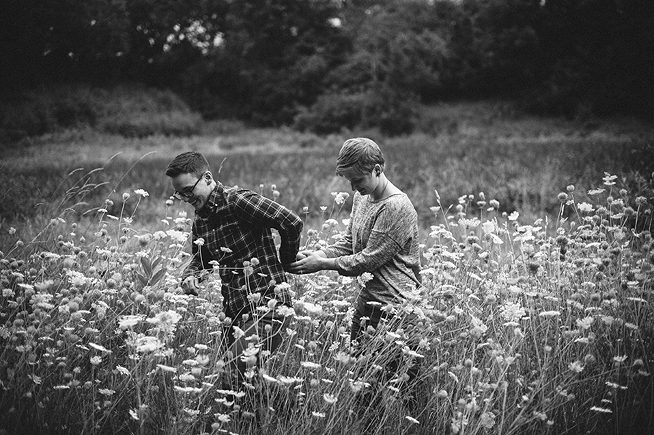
x: 521, y: 162
x: 525, y: 325
x: 521, y: 327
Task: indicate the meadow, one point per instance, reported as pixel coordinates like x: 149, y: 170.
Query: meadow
x: 534, y: 316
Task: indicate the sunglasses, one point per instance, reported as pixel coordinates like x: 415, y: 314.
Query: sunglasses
x: 187, y: 192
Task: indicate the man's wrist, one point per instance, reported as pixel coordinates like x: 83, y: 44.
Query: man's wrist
x: 329, y: 263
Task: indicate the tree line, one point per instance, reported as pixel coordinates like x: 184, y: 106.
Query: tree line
x: 327, y: 64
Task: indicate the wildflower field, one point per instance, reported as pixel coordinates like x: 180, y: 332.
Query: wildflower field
x: 536, y: 321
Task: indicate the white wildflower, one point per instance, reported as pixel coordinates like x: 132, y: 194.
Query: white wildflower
x: 310, y: 365
x: 585, y: 323
x: 602, y: 410
x: 330, y: 398
x: 512, y: 312
x: 585, y: 207
x: 364, y: 278
x: 576, y: 366
x: 125, y: 322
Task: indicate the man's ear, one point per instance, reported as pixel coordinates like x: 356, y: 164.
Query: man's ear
x: 208, y: 177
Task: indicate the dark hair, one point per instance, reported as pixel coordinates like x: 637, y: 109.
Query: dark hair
x: 189, y: 162
x: 360, y: 153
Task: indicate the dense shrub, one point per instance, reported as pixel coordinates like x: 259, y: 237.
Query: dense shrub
x: 34, y: 113
x: 331, y: 113
x: 131, y: 111
x: 387, y: 110
x: 145, y: 124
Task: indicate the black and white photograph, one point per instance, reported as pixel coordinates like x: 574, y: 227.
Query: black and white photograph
x: 298, y: 217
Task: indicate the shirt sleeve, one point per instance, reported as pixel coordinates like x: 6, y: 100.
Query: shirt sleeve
x: 259, y: 210
x: 389, y: 234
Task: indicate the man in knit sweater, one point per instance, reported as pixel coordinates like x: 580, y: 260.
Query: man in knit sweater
x: 381, y: 238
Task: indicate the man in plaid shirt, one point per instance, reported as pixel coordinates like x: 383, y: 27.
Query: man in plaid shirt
x: 233, y: 228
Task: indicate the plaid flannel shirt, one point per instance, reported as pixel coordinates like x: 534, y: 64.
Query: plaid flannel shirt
x: 235, y: 225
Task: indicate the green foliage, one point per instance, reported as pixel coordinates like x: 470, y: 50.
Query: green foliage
x: 331, y: 113
x: 34, y: 113
x: 130, y: 111
x: 394, y: 46
x: 392, y: 113
x: 496, y: 47
x: 140, y: 124
x: 152, y: 271
x: 267, y: 62
x: 62, y: 40
x: 274, y: 57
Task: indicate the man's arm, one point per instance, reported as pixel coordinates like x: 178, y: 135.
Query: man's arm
x: 259, y: 210
x: 380, y: 249
x: 390, y: 232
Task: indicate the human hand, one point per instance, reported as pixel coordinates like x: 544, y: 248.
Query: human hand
x: 309, y: 264
x: 303, y: 254
x: 190, y: 285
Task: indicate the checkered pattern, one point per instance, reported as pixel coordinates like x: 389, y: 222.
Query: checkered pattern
x: 236, y: 227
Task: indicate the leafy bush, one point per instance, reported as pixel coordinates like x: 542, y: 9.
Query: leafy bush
x: 131, y: 111
x: 35, y: 113
x: 334, y: 112
x: 331, y: 113
x: 175, y: 123
x: 391, y: 111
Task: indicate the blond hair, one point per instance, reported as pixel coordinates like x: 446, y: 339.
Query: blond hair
x: 360, y: 153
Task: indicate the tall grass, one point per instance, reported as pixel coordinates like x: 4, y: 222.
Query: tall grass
x: 523, y: 169
x: 535, y: 315
x: 520, y: 327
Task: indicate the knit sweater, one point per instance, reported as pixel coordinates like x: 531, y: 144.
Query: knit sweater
x: 382, y: 239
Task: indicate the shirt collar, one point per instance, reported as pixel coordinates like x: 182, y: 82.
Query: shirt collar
x: 215, y: 200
